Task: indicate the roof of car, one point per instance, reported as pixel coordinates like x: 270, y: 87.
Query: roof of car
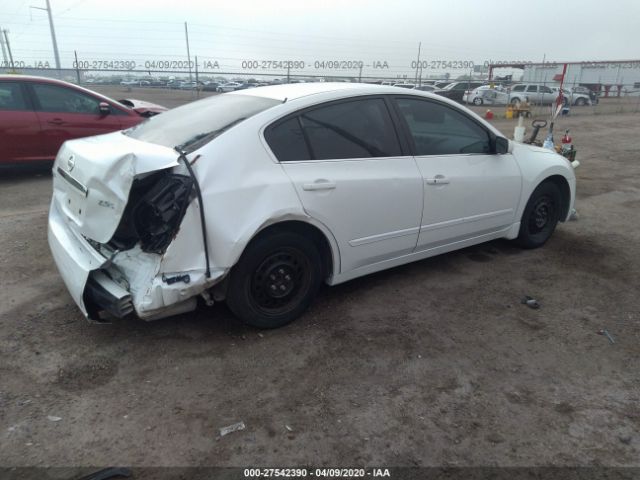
x: 292, y: 91
x: 29, y: 78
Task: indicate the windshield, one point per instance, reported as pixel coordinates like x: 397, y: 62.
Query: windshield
x: 195, y: 124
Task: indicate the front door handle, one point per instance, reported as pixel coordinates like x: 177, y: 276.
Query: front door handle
x: 319, y: 185
x: 437, y: 180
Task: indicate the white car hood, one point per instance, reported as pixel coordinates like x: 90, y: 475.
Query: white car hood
x: 92, y: 177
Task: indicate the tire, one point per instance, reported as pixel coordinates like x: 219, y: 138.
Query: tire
x: 477, y: 101
x: 540, y: 216
x: 275, y: 280
x: 515, y: 100
x: 581, y: 102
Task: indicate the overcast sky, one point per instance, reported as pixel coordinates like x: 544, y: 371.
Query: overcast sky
x: 324, y: 30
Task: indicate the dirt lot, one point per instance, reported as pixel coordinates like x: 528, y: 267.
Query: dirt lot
x: 433, y: 363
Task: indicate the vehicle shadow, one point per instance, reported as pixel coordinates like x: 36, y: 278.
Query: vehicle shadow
x: 17, y: 173
x: 331, y: 302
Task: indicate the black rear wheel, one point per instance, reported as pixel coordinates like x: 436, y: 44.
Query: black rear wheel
x: 275, y: 280
x: 540, y: 216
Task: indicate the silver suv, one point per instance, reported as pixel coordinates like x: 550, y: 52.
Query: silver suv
x: 539, y: 94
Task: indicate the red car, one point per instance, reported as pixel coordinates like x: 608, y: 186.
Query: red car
x: 38, y: 114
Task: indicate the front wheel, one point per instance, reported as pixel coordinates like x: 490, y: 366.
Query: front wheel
x: 477, y: 101
x: 581, y: 102
x: 275, y: 280
x: 540, y: 216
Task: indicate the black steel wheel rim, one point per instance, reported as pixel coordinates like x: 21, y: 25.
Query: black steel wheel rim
x: 280, y: 281
x: 542, y: 215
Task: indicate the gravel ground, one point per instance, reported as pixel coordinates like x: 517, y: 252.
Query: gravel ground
x: 429, y: 364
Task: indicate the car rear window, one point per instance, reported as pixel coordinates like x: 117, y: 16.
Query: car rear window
x: 195, y: 124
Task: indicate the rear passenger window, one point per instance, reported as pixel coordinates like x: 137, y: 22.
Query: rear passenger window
x: 287, y: 141
x: 355, y: 129
x: 11, y: 97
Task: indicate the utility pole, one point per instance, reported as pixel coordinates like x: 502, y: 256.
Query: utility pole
x: 186, y: 35
x: 75, y: 53
x: 56, y: 54
x: 6, y: 39
x: 197, y: 81
x: 4, y: 50
x: 418, y: 61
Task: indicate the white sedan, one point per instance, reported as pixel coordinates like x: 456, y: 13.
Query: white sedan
x: 486, y: 95
x: 229, y: 87
x: 257, y: 197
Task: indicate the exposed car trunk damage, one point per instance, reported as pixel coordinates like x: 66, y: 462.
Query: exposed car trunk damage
x: 154, y: 218
x: 123, y: 218
x: 121, y: 210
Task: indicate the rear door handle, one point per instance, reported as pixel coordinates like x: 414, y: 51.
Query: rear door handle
x: 319, y: 185
x: 56, y: 121
x: 437, y: 180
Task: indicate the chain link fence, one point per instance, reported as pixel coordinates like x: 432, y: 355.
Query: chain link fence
x: 172, y: 88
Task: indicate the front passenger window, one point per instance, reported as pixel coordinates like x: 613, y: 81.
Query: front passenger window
x: 53, y: 98
x: 440, y: 130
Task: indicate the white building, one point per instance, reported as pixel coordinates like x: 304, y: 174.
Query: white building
x: 610, y: 78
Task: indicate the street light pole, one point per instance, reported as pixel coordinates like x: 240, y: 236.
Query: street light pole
x: 56, y: 54
x: 4, y: 50
x: 6, y: 39
x: 186, y: 36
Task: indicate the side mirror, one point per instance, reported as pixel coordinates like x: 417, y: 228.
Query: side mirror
x: 502, y: 145
x: 104, y: 108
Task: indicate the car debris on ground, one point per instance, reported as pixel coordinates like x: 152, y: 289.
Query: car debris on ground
x: 232, y: 428
x: 530, y: 302
x: 606, y: 334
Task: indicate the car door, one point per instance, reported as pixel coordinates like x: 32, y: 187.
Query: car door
x: 531, y: 93
x: 66, y: 113
x: 469, y: 191
x: 351, y: 174
x: 517, y: 92
x: 19, y: 125
x: 546, y: 95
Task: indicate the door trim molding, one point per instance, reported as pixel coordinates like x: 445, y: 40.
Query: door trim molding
x: 356, y: 242
x: 460, y: 221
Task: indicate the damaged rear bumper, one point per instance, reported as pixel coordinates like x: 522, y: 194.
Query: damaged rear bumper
x: 79, y: 266
x: 73, y: 256
x: 129, y: 283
